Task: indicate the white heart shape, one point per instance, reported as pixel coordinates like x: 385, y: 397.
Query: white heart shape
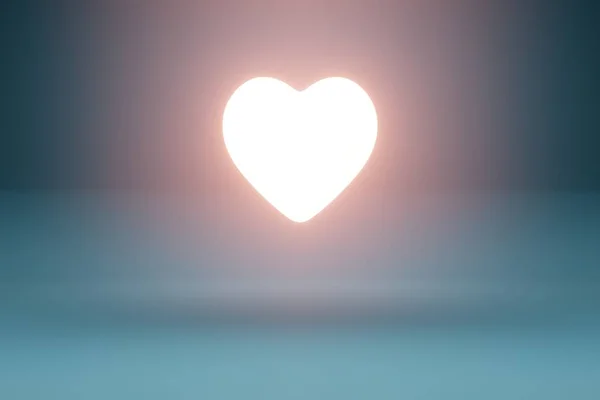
x: 300, y: 150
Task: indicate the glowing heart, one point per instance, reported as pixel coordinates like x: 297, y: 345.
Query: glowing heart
x: 300, y: 150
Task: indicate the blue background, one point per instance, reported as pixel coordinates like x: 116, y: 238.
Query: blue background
x: 463, y: 262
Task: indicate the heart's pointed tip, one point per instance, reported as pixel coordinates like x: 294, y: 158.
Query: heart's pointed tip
x: 300, y: 220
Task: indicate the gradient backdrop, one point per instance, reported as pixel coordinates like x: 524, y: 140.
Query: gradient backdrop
x: 463, y: 262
